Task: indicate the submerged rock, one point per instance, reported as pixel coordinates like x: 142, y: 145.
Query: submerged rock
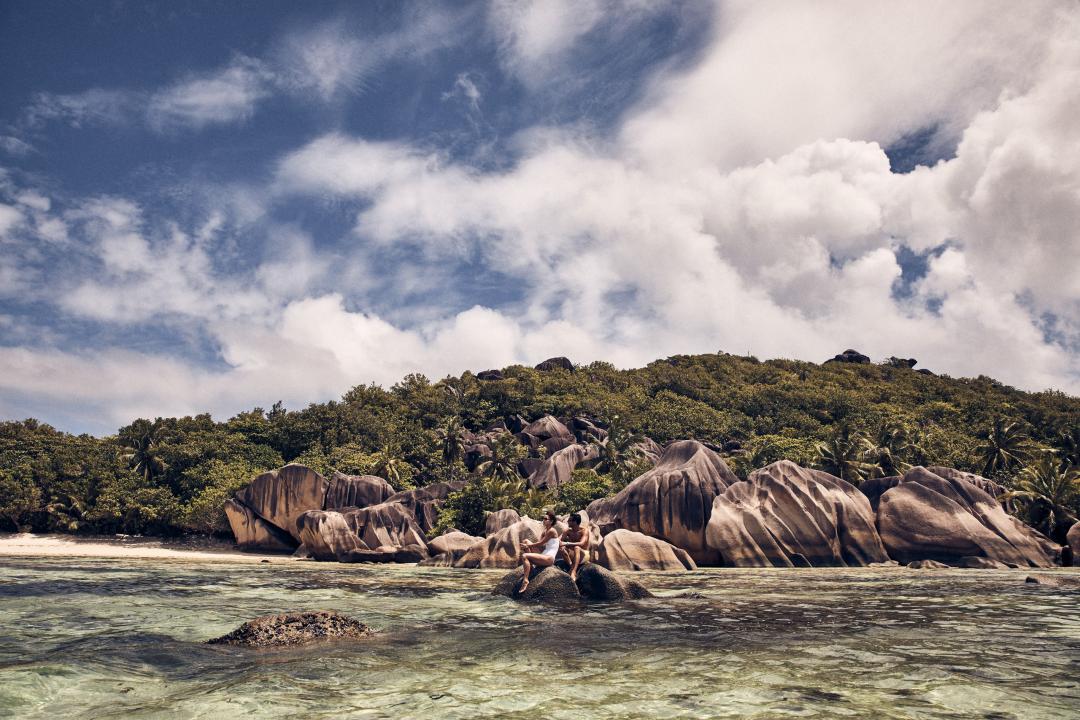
x: 784, y: 515
x: 981, y: 563
x: 626, y: 550
x: 1065, y: 581
x: 294, y: 629
x: 552, y: 585
x: 673, y: 501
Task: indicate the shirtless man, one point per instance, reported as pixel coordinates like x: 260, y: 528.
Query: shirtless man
x: 575, y: 544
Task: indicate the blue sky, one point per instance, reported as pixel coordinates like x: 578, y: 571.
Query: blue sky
x: 210, y: 206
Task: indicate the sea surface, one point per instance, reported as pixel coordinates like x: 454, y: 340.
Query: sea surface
x: 97, y: 638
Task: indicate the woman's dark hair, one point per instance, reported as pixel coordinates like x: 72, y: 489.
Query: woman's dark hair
x: 550, y: 515
x: 575, y: 519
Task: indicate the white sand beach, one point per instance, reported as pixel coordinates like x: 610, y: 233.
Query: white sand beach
x: 127, y: 547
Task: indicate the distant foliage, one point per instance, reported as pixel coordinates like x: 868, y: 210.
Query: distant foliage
x: 172, y: 475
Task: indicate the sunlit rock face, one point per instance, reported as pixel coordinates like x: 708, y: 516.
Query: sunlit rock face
x: 500, y: 519
x: 556, y: 469
x: 254, y: 533
x: 349, y: 491
x: 327, y: 535
x: 626, y: 550
x: 784, y: 515
x: 924, y: 516
x: 503, y: 549
x: 673, y: 501
x: 424, y: 503
x: 281, y: 496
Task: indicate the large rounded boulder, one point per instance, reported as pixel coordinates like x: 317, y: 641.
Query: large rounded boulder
x: 1073, y: 539
x: 388, y: 524
x: 784, y: 515
x: 626, y: 551
x: 556, y: 469
x: 500, y: 519
x: 924, y: 516
x: 327, y: 535
x: 349, y: 491
x: 255, y: 534
x: 424, y: 503
x: 673, y: 501
x: 281, y: 496
x: 553, y: 586
x: 503, y: 549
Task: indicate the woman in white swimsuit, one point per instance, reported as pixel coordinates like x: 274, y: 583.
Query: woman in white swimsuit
x: 548, y: 545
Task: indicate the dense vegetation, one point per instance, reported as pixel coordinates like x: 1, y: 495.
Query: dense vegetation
x: 171, y: 475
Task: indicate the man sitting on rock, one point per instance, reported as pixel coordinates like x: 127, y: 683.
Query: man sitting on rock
x: 575, y: 544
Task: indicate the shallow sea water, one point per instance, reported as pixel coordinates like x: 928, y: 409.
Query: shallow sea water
x: 97, y: 638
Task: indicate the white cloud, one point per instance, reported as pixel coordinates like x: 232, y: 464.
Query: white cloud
x: 226, y: 96
x: 745, y: 205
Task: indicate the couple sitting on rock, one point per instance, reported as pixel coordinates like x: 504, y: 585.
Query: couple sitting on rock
x: 573, y: 546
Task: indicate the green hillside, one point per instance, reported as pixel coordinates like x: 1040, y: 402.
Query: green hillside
x: 171, y: 475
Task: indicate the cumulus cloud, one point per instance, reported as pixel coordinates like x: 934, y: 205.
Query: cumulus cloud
x: 746, y: 204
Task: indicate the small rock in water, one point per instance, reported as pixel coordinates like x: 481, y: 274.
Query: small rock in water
x: 1068, y: 581
x: 265, y: 561
x: 293, y: 629
x: 927, y: 565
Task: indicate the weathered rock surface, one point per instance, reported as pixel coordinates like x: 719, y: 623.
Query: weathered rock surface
x: 281, y: 496
x: 556, y: 469
x: 923, y: 516
x: 424, y: 503
x: 850, y: 356
x: 294, y: 629
x: 502, y: 549
x: 784, y: 515
x: 990, y: 487
x: 489, y: 375
x: 626, y: 551
x: 386, y: 554
x: 552, y: 585
x: 1072, y: 538
x: 981, y: 563
x: 453, y: 543
x: 673, y: 501
x: 1063, y: 581
x: 349, y: 491
x: 499, y: 520
x: 386, y: 524
x: 556, y: 363
x: 927, y: 565
x: 326, y: 535
x: 254, y: 533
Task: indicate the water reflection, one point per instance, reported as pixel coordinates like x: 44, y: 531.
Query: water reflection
x: 99, y: 638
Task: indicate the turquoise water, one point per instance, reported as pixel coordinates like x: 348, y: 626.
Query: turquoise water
x: 109, y: 639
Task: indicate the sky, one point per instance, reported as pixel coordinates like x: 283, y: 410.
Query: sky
x: 214, y: 206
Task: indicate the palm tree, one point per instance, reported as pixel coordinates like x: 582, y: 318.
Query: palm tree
x: 389, y: 466
x: 452, y: 444
x: 141, y: 447
x: 886, y: 449
x: 618, y: 454
x: 506, y: 453
x: 1049, y: 489
x: 842, y: 455
x: 1005, y: 446
x: 1068, y: 442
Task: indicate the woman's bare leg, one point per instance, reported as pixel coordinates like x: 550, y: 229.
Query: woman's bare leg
x: 528, y: 560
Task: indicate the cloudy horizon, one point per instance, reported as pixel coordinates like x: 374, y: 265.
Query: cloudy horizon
x: 212, y: 209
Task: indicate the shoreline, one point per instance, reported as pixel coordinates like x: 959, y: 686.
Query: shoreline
x: 126, y: 547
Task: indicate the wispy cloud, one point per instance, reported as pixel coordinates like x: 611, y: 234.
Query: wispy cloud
x: 226, y: 96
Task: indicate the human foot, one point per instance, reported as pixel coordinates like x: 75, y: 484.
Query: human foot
x: 524, y: 585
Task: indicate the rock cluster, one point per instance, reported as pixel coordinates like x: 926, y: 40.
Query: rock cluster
x: 673, y: 501
x: 552, y: 585
x: 294, y: 629
x: 850, y: 356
